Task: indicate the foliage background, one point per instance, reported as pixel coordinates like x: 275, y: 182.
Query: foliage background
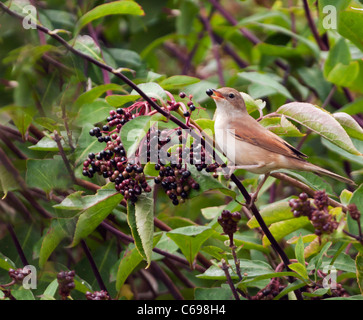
x: 264, y: 48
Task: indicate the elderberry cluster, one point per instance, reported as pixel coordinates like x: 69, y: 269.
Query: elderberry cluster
x: 112, y: 162
x: 176, y: 181
x: 322, y: 221
x: 65, y: 283
x: 97, y: 295
x: 19, y: 274
x: 270, y: 291
x: 229, y: 222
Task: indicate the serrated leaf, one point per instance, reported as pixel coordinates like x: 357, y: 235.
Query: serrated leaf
x: 140, y: 217
x: 47, y: 174
x: 92, y: 216
x: 320, y: 121
x: 111, y: 8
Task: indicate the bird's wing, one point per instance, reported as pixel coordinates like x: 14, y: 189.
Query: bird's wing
x: 249, y: 130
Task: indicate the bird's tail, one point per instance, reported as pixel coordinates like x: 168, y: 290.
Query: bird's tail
x: 319, y: 170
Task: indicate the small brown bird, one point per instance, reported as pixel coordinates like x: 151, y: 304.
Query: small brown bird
x: 250, y: 146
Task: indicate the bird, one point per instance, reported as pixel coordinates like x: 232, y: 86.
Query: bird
x: 249, y: 145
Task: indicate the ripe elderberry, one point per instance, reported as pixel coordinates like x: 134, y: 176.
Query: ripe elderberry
x: 65, y: 283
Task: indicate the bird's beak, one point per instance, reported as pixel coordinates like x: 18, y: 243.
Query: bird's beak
x: 214, y: 94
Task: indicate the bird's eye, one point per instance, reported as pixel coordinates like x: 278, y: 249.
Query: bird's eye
x: 231, y: 95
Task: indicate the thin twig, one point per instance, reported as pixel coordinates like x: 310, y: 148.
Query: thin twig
x: 161, y: 275
x: 95, y: 270
x: 312, y: 26
x: 17, y: 244
x: 224, y: 267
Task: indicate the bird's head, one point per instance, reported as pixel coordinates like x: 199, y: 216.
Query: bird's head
x: 227, y: 99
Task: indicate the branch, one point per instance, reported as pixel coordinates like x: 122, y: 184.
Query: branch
x: 17, y: 244
x: 313, y: 29
x: 96, y: 273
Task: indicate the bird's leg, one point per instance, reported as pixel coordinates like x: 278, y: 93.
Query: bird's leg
x: 255, y: 194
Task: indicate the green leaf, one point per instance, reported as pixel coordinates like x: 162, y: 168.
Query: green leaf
x: 359, y: 266
x: 350, y: 26
x: 93, y: 112
x: 50, y: 291
x: 151, y: 89
x: 116, y: 100
x: 344, y: 75
x: 349, y: 124
x: 49, y: 145
x: 318, y: 260
x: 6, y: 263
x: 281, y: 126
x: 339, y: 53
x: 345, y: 197
x: 266, y: 81
x: 112, y: 8
x: 140, y: 217
x: 190, y: 239
x: 96, y: 92
x: 47, y: 174
x: 21, y: 116
x: 7, y: 181
x: 207, y: 125
x: 357, y: 199
x: 22, y: 294
x: 317, y: 293
x: 88, y: 46
x: 274, y: 212
x: 57, y: 231
x: 128, y: 263
x: 221, y: 293
x: 299, y: 269
x: 176, y: 82
x: 92, y: 216
x: 299, y: 251
x: 250, y: 268
x: 281, y: 229
x: 319, y: 121
x: 75, y: 201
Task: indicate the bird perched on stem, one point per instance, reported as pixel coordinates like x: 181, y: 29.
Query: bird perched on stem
x: 250, y: 146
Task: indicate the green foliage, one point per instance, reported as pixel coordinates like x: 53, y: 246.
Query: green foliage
x: 60, y: 218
